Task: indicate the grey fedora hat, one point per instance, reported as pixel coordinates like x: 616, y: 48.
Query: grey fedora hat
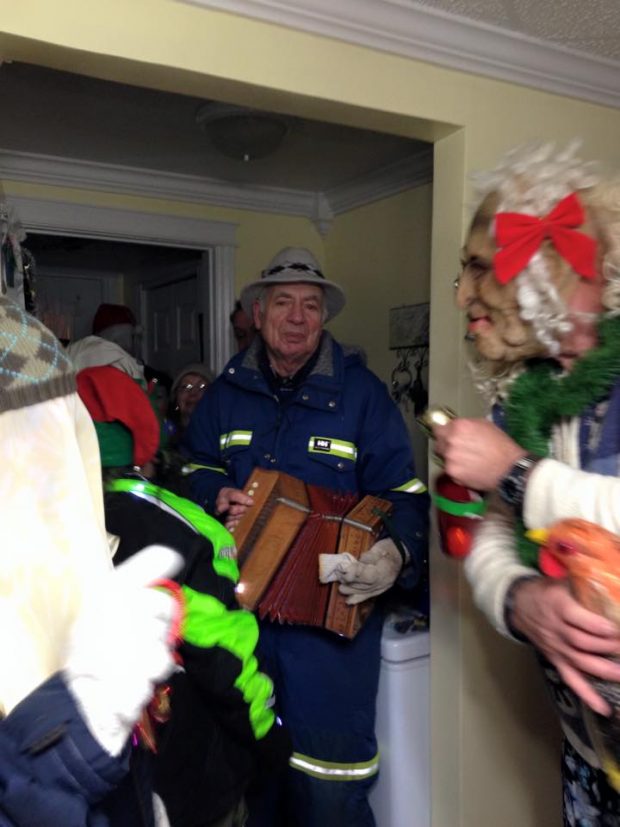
x: 294, y: 264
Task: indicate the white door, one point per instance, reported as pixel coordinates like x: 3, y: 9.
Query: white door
x: 173, y: 324
x: 67, y: 301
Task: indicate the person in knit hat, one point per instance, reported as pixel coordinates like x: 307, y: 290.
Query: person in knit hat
x: 222, y: 733
x: 81, y: 645
x: 187, y: 390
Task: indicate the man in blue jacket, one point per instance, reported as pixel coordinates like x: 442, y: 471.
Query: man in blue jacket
x: 298, y: 402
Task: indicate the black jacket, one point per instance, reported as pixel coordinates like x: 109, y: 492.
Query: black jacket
x: 222, y: 731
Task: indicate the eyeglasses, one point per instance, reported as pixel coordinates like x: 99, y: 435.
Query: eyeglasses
x: 191, y: 387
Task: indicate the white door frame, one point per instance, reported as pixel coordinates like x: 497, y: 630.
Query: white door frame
x: 216, y: 240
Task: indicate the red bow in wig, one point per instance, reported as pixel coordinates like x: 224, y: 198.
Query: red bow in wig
x: 519, y: 236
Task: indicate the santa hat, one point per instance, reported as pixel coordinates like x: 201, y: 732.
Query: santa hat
x: 126, y: 425
x: 112, y: 314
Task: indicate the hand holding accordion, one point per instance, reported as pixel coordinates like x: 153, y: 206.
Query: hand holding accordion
x: 279, y: 540
x: 369, y: 576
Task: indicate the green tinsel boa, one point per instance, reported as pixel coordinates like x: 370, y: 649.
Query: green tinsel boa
x: 541, y: 396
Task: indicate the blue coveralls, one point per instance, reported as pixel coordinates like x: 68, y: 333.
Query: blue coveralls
x: 339, y: 429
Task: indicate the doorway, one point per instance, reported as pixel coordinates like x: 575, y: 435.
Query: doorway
x: 93, y: 254
x: 160, y: 284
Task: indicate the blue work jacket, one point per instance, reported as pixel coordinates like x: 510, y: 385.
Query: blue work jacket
x: 339, y: 429
x: 53, y: 773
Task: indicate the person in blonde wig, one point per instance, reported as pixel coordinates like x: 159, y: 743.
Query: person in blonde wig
x: 540, y: 286
x: 80, y: 645
x: 532, y: 317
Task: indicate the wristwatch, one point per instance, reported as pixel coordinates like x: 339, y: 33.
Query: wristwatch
x: 512, y: 487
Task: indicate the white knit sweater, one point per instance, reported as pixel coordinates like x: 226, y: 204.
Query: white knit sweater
x: 556, y: 489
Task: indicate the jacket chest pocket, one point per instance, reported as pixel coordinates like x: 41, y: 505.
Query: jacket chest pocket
x: 337, y: 455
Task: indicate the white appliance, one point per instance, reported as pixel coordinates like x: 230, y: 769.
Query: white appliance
x: 401, y: 796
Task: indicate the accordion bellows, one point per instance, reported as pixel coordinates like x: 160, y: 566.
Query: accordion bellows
x: 279, y: 539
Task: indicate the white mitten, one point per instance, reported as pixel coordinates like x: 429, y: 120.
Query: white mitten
x: 371, y: 575
x: 120, y: 645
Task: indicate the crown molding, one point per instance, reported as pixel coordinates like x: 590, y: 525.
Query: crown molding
x: 392, y: 179
x: 318, y: 207
x: 406, y: 28
x: 70, y: 172
x: 61, y: 217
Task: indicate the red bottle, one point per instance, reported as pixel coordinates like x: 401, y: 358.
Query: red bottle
x: 459, y: 511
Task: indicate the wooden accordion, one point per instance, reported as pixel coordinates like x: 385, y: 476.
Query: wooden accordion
x: 278, y: 542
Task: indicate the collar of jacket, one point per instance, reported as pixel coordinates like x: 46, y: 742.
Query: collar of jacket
x: 321, y: 389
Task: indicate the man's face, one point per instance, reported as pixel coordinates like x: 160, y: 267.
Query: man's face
x: 291, y: 323
x: 499, y: 332
x: 243, y: 330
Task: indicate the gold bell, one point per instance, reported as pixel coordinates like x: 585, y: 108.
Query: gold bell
x: 435, y: 415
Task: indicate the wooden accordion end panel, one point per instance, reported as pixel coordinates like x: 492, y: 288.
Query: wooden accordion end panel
x: 265, y: 532
x: 280, y: 538
x: 358, y: 533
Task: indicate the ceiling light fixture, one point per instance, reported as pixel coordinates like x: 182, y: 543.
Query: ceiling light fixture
x: 242, y: 134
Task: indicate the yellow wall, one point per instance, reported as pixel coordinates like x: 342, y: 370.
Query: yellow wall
x: 491, y: 763
x: 261, y: 236
x: 380, y: 254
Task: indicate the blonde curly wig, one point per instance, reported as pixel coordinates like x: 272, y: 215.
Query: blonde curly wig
x: 532, y: 179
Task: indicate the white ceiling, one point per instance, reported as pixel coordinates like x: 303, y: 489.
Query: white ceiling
x: 590, y: 26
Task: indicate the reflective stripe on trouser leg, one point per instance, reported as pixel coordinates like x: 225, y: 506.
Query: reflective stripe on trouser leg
x: 333, y: 771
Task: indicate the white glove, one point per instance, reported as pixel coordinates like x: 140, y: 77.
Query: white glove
x: 120, y: 645
x: 371, y: 575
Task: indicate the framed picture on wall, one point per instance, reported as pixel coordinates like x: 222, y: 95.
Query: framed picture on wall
x: 409, y: 326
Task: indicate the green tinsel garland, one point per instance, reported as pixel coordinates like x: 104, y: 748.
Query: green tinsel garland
x: 541, y: 396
